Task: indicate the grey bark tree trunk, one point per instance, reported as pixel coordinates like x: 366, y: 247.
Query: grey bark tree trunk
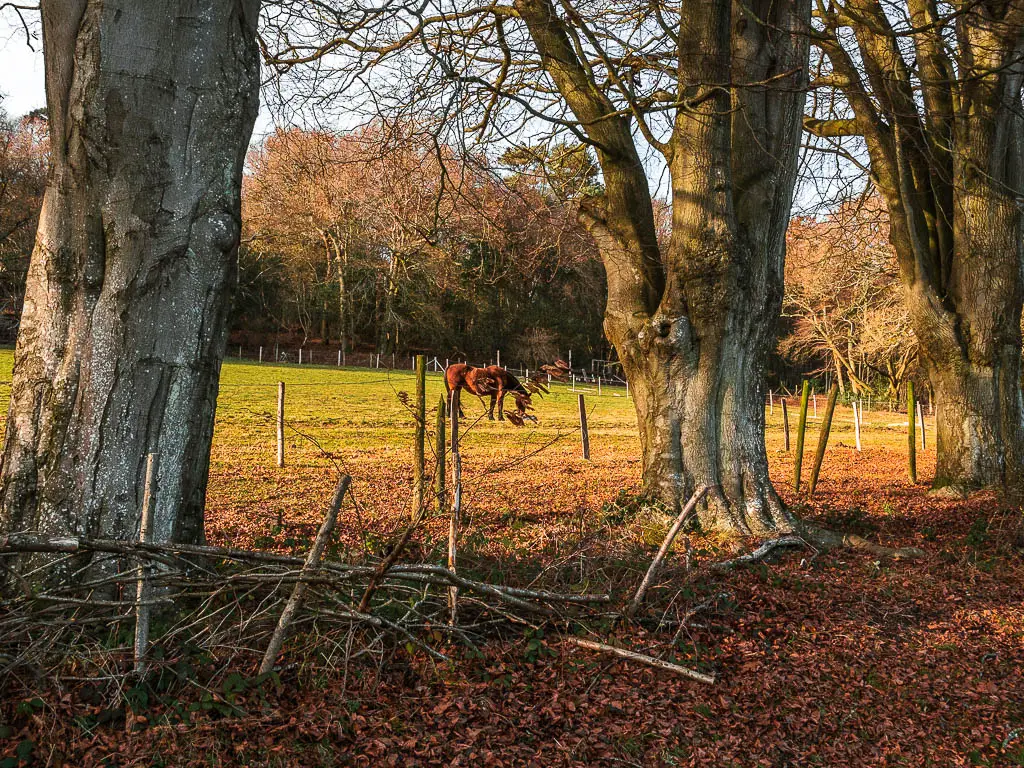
x: 941, y: 118
x: 694, y: 337
x: 151, y: 105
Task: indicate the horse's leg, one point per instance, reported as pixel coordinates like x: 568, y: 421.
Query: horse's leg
x: 490, y: 411
x: 501, y: 404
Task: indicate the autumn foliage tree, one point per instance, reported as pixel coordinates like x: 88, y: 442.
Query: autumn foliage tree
x: 396, y: 242
x: 843, y: 299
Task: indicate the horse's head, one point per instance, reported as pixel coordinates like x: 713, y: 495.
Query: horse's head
x: 523, y: 405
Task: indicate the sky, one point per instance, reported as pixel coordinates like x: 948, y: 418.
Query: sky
x: 21, y: 72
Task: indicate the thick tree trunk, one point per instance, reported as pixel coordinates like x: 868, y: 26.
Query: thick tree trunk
x: 151, y: 106
x: 971, y: 349
x: 700, y: 412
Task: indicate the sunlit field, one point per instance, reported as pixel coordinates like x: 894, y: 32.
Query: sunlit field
x: 353, y: 420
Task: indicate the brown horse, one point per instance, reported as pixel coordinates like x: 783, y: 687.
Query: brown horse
x: 492, y: 380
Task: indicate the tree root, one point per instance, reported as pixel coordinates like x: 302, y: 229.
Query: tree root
x: 813, y: 536
x: 825, y: 539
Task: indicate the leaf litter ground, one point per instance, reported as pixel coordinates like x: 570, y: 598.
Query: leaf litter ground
x: 822, y: 658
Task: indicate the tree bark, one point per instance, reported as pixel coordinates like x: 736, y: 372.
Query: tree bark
x: 151, y: 106
x: 695, y: 359
x: 942, y: 124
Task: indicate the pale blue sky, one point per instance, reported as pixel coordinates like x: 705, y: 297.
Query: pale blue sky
x: 21, y: 72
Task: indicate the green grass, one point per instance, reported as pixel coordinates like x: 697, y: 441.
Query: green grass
x: 353, y: 419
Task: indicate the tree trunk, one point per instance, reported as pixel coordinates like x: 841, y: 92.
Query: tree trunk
x: 700, y: 412
x: 151, y: 106
x: 971, y: 350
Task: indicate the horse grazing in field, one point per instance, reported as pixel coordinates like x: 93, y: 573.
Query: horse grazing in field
x: 492, y: 380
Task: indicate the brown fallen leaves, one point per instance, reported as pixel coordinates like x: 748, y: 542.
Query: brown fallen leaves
x: 831, y: 659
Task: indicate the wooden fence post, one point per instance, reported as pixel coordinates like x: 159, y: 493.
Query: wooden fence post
x: 453, y: 523
x: 280, y: 423
x: 420, y: 414
x: 856, y: 424
x: 801, y: 428
x: 911, y: 444
x: 826, y: 427
x: 145, y: 537
x: 771, y: 403
x: 920, y: 423
x: 785, y: 423
x: 583, y: 429
x: 261, y: 354
x: 440, y: 450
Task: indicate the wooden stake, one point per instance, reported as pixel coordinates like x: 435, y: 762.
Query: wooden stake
x: 453, y: 524
x: 145, y: 537
x: 920, y: 422
x: 261, y: 354
x: 300, y: 355
x: 815, y: 396
x: 785, y: 423
x: 310, y: 567
x: 280, y: 423
x: 691, y: 505
x: 771, y: 403
x: 801, y: 428
x: 911, y: 444
x: 420, y: 438
x: 856, y: 424
x: 440, y: 450
x: 583, y: 429
x: 826, y: 427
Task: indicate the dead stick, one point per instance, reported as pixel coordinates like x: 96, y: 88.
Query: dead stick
x: 145, y: 537
x: 801, y: 429
x: 785, y: 423
x: 665, y: 545
x: 440, y: 449
x: 312, y: 563
x: 650, y: 661
x: 911, y: 446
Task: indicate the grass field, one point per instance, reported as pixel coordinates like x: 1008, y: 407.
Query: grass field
x: 824, y: 659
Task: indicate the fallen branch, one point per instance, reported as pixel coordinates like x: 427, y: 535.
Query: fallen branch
x: 421, y: 573
x: 642, y: 658
x: 316, y: 552
x: 691, y: 505
x: 758, y: 554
